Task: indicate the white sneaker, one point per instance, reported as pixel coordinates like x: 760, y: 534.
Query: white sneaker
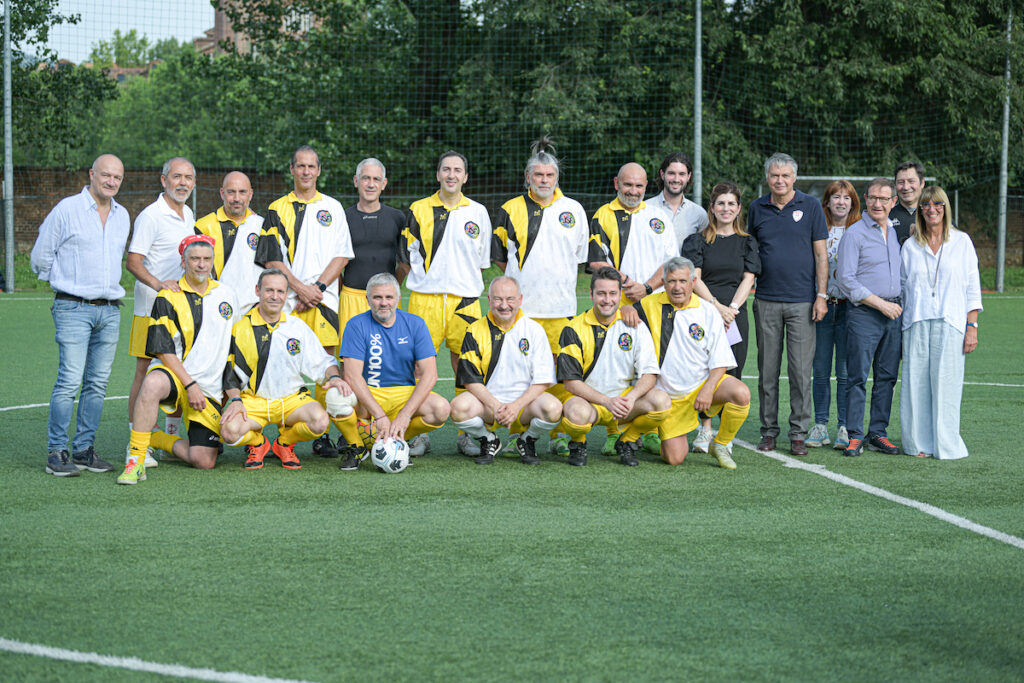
x: 723, y: 454
x: 468, y: 445
x: 419, y: 445
x: 818, y: 436
x: 842, y: 439
x: 151, y: 460
x: 703, y: 441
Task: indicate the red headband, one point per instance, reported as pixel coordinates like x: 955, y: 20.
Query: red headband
x: 192, y: 239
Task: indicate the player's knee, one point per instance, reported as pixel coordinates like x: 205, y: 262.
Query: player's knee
x: 659, y: 400
x: 318, y: 422
x: 203, y: 458
x: 674, y: 451
x: 577, y: 411
x: 436, y: 410
x: 464, y: 407
x: 547, y: 408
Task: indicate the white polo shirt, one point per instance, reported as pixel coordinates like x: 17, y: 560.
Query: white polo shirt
x: 157, y: 234
x: 689, y: 219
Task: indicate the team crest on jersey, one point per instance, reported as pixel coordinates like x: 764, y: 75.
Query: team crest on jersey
x: 696, y: 331
x: 225, y: 310
x: 293, y: 346
x: 797, y: 215
x: 625, y: 341
x: 524, y: 346
x: 657, y: 225
x: 323, y: 216
x: 567, y: 219
x: 252, y: 240
x: 472, y: 229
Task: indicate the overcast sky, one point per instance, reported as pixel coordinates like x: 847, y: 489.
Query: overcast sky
x: 182, y: 19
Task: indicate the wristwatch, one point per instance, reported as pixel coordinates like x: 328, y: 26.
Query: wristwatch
x: 974, y: 325
x: 822, y: 295
x: 648, y: 288
x: 321, y: 286
x: 734, y: 307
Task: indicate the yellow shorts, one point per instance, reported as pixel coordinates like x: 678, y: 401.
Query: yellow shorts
x: 138, y: 335
x: 553, y: 328
x: 209, y: 416
x: 392, y: 399
x: 351, y: 302
x: 323, y: 321
x: 604, y: 416
x: 447, y: 316
x: 274, y: 410
x: 683, y: 417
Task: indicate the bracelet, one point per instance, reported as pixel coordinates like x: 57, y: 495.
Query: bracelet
x: 189, y: 385
x: 236, y: 398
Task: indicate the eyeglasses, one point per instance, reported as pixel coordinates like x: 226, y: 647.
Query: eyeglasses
x: 936, y: 205
x: 877, y: 200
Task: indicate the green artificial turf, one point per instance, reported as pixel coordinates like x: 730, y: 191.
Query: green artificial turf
x: 450, y: 571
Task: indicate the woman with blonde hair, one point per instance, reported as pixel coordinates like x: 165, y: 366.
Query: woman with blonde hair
x: 727, y: 261
x: 842, y: 209
x: 941, y: 302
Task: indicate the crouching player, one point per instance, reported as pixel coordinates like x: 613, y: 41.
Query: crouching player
x: 694, y: 354
x: 609, y: 371
x: 189, y: 333
x: 263, y: 381
x: 384, y: 351
x: 505, y: 367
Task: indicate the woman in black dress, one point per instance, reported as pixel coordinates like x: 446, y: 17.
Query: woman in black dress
x: 727, y: 262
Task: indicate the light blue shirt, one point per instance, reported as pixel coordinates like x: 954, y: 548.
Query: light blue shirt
x: 76, y: 254
x: 868, y: 263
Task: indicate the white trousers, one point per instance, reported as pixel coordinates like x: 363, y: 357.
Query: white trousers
x: 933, y: 382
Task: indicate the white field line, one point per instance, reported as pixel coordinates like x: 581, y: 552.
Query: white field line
x: 452, y: 379
x: 135, y: 664
x: 937, y: 513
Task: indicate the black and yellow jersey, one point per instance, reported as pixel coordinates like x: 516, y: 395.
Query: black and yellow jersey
x: 543, y: 245
x: 608, y: 358
x: 446, y: 247
x: 636, y: 242
x: 234, y: 251
x: 270, y: 360
x: 196, y: 328
x: 507, y: 362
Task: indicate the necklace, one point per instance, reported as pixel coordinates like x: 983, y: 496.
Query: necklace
x: 935, y: 278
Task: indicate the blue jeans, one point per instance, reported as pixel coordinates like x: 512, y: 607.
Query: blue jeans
x: 873, y: 343
x: 87, y: 340
x: 831, y: 334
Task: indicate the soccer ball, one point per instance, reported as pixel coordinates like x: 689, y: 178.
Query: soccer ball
x: 367, y: 432
x: 390, y: 455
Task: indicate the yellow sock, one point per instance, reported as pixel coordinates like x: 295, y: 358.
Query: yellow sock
x: 577, y: 433
x: 644, y: 423
x: 299, y: 431
x: 139, y: 442
x: 349, y: 428
x: 733, y: 417
x: 418, y: 426
x: 251, y: 438
x: 163, y: 441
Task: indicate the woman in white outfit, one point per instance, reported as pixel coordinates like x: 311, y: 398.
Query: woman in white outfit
x: 941, y: 301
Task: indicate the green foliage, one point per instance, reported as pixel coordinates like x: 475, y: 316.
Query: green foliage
x: 124, y: 49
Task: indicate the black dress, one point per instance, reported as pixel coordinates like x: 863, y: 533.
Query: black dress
x: 722, y: 265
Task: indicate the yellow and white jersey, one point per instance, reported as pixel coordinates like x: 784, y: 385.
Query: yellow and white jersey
x: 307, y: 236
x: 234, y: 252
x: 689, y: 341
x: 197, y: 329
x: 507, y: 363
x: 543, y: 246
x: 609, y: 359
x: 637, y: 243
x: 446, y: 248
x: 270, y: 360
x: 157, y: 232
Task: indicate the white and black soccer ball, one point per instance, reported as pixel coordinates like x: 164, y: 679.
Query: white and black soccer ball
x: 390, y: 455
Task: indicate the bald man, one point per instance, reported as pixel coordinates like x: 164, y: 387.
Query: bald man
x: 236, y: 231
x: 78, y: 252
x: 631, y: 236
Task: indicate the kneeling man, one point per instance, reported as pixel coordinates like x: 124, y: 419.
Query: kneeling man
x: 694, y: 354
x: 270, y: 354
x: 610, y: 370
x: 505, y: 367
x: 189, y: 334
x: 384, y: 351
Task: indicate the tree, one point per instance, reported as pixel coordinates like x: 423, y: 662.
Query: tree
x: 123, y: 49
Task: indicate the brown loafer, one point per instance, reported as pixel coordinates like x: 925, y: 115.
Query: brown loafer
x: 767, y: 443
x: 798, y: 448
